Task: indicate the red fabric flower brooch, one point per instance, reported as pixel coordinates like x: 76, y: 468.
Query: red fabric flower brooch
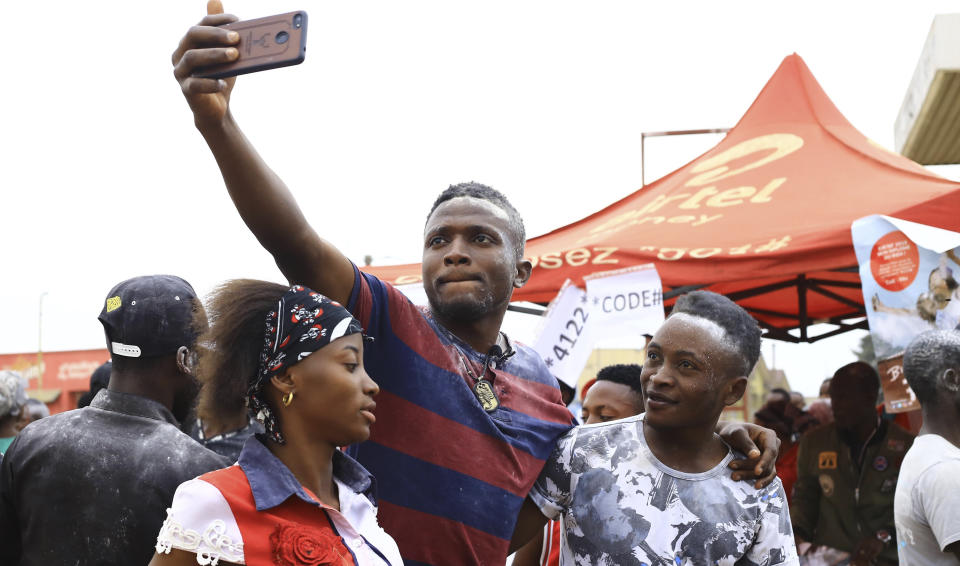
x: 297, y: 545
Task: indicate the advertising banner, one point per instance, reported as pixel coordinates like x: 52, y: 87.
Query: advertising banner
x: 909, y: 276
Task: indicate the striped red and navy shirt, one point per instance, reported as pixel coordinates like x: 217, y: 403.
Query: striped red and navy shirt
x: 451, y: 477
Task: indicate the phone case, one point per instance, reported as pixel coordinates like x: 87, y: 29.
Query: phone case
x: 265, y: 43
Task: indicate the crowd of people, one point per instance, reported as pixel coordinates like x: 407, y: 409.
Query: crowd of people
x: 329, y: 420
x: 862, y: 488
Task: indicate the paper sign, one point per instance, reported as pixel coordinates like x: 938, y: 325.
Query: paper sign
x: 625, y: 302
x: 908, y: 273
x: 563, y: 342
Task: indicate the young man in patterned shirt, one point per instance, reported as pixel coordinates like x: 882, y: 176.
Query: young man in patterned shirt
x: 655, y: 488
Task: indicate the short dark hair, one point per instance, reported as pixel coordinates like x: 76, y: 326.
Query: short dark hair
x: 624, y: 374
x: 927, y: 357
x: 100, y: 377
x: 229, y: 348
x: 861, y: 374
x: 489, y: 194
x: 741, y: 328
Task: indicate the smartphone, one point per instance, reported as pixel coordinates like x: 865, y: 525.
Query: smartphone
x: 265, y: 43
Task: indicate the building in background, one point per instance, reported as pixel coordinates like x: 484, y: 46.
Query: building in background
x: 927, y: 124
x: 59, y: 378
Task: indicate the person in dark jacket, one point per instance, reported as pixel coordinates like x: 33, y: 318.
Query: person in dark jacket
x: 92, y: 485
x: 847, y: 473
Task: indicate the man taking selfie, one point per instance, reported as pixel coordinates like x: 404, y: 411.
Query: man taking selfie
x: 466, y: 417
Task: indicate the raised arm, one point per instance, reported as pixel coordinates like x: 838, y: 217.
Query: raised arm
x: 262, y: 199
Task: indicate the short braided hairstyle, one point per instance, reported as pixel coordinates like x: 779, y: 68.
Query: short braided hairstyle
x: 927, y: 357
x: 741, y: 329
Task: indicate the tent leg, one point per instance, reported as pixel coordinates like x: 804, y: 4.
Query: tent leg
x: 802, y: 306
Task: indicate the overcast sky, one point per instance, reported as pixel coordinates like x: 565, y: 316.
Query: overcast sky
x: 104, y: 176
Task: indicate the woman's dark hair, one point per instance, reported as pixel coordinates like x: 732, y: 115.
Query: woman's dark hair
x: 229, y: 348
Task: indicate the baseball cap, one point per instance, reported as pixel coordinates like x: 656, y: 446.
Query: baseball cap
x: 149, y: 316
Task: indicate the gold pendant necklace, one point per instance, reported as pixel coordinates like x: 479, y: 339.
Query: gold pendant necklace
x: 482, y: 389
x: 486, y: 395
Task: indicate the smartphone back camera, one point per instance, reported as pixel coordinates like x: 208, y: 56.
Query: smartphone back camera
x: 282, y: 37
x: 298, y: 21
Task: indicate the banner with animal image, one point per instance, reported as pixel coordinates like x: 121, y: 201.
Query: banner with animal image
x: 908, y: 273
x: 616, y: 304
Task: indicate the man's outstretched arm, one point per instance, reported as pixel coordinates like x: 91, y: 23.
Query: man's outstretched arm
x: 262, y: 199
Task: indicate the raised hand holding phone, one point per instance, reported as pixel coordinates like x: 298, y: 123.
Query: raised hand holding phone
x: 204, y: 45
x: 265, y: 43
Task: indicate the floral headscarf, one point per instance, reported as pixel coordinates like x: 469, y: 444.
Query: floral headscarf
x: 303, y: 322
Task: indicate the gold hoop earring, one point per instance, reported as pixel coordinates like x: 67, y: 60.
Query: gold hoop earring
x: 287, y: 399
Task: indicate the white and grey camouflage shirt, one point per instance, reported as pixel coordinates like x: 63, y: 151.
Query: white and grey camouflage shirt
x: 620, y: 505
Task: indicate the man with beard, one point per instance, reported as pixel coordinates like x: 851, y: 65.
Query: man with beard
x: 91, y: 486
x: 465, y: 416
x: 847, y: 472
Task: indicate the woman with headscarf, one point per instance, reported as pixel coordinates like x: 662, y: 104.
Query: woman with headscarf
x: 293, y: 497
x: 13, y: 396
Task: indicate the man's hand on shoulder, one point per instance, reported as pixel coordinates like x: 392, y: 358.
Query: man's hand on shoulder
x: 761, y: 446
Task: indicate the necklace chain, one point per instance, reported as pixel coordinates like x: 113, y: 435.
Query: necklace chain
x: 482, y: 389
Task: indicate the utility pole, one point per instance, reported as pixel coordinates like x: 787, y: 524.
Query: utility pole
x: 645, y: 135
x: 40, y: 342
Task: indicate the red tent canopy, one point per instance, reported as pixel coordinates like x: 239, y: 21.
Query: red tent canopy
x: 764, y: 217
